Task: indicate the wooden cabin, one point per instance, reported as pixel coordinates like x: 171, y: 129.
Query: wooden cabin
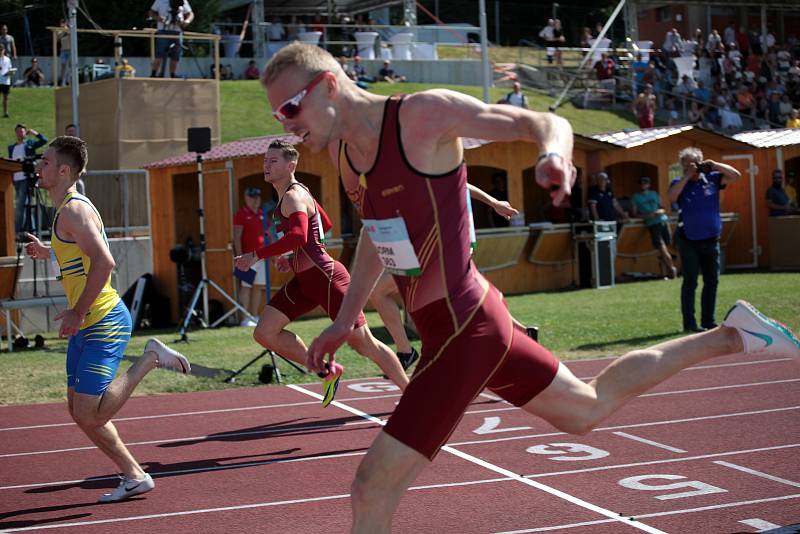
x: 532, y: 254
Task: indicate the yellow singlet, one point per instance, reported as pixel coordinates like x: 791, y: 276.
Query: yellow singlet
x: 74, y: 265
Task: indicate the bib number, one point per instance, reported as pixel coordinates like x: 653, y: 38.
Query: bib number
x: 394, y: 248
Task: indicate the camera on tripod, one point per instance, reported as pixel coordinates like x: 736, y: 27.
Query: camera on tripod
x: 29, y: 166
x: 183, y: 253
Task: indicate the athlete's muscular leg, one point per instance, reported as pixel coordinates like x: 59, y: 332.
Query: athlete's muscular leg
x: 363, y: 342
x: 271, y: 334
x: 576, y: 407
x: 383, y: 475
x: 82, y: 409
x: 382, y: 299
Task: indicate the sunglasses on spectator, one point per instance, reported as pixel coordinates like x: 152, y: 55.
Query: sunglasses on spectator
x: 291, y: 108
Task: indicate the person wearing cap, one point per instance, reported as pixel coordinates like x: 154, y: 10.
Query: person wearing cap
x: 387, y: 73
x: 647, y: 204
x: 602, y: 203
x: 778, y: 200
x: 248, y: 236
x: 33, y: 75
x: 23, y: 149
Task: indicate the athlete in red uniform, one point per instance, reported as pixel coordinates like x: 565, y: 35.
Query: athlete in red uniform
x: 319, y: 280
x: 406, y: 175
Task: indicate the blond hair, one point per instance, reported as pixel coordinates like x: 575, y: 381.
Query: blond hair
x: 311, y: 59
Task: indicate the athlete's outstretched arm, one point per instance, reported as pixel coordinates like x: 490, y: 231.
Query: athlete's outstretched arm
x: 501, y: 207
x: 444, y: 116
x: 366, y: 269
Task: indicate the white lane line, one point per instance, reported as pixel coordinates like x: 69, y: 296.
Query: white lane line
x: 720, y: 365
x: 649, y: 442
x: 717, y: 388
x: 201, y: 412
x: 195, y: 470
x: 633, y: 425
x: 759, y: 474
x: 665, y: 461
x: 505, y: 472
x: 759, y: 524
x: 658, y: 514
x: 351, y: 399
x: 212, y: 437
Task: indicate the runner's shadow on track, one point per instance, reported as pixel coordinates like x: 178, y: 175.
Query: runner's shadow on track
x: 281, y: 429
x: 630, y: 341
x: 21, y: 523
x: 197, y: 369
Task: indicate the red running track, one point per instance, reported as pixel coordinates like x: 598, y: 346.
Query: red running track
x: 714, y: 449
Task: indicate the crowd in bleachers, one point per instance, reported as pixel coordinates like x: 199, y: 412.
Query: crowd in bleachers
x: 731, y: 81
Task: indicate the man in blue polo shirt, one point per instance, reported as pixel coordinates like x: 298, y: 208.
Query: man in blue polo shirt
x: 699, y: 228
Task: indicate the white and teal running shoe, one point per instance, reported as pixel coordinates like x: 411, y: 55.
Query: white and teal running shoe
x: 760, y: 333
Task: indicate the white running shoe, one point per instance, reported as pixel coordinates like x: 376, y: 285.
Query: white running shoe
x: 168, y: 358
x: 248, y: 322
x: 128, y: 487
x: 760, y: 333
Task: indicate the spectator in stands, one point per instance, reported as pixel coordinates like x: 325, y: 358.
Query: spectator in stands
x: 729, y: 34
x: 548, y: 38
x: 730, y: 121
x: 647, y: 204
x: 124, y: 69
x: 714, y: 43
x: 516, y: 98
x: 558, y: 40
x: 7, y: 40
x: 644, y: 107
x: 586, y: 37
x: 5, y: 78
x: 361, y: 71
x: 742, y: 41
x: 794, y: 119
x: 33, y: 75
x: 275, y: 31
x: 226, y: 72
x: 65, y: 44
x: 697, y: 193
x: 673, y: 43
x: 778, y: 200
x: 387, y: 74
x: 248, y: 236
x: 639, y: 68
x: 251, y: 72
x: 604, y: 68
x: 348, y: 70
x: 696, y: 115
x: 603, y: 206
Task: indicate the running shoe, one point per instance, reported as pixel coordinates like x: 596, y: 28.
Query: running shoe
x: 330, y: 383
x: 760, y: 333
x: 407, y: 359
x: 532, y: 332
x: 168, y: 358
x: 128, y: 487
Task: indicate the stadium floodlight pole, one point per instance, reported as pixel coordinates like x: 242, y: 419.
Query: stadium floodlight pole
x: 589, y: 54
x: 72, y: 5
x: 484, y: 53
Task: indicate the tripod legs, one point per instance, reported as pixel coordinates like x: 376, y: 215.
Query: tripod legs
x: 191, y: 311
x: 276, y: 369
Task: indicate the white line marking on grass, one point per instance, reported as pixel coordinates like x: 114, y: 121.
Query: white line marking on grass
x: 657, y: 514
x: 500, y: 470
x: 649, y: 442
x: 759, y: 473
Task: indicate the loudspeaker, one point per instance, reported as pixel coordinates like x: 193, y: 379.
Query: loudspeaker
x: 199, y: 139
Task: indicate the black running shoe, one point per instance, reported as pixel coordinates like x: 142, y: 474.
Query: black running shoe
x: 407, y: 359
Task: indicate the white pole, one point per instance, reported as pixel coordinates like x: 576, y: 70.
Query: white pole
x: 487, y: 80
x: 73, y: 58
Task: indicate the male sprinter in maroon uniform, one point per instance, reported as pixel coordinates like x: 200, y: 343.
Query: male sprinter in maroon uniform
x: 319, y: 280
x: 405, y: 172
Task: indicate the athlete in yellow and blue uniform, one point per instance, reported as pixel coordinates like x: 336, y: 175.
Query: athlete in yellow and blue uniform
x: 96, y: 321
x: 95, y: 352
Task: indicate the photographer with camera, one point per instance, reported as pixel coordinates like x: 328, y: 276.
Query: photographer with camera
x: 172, y: 17
x: 24, y: 150
x: 699, y: 227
